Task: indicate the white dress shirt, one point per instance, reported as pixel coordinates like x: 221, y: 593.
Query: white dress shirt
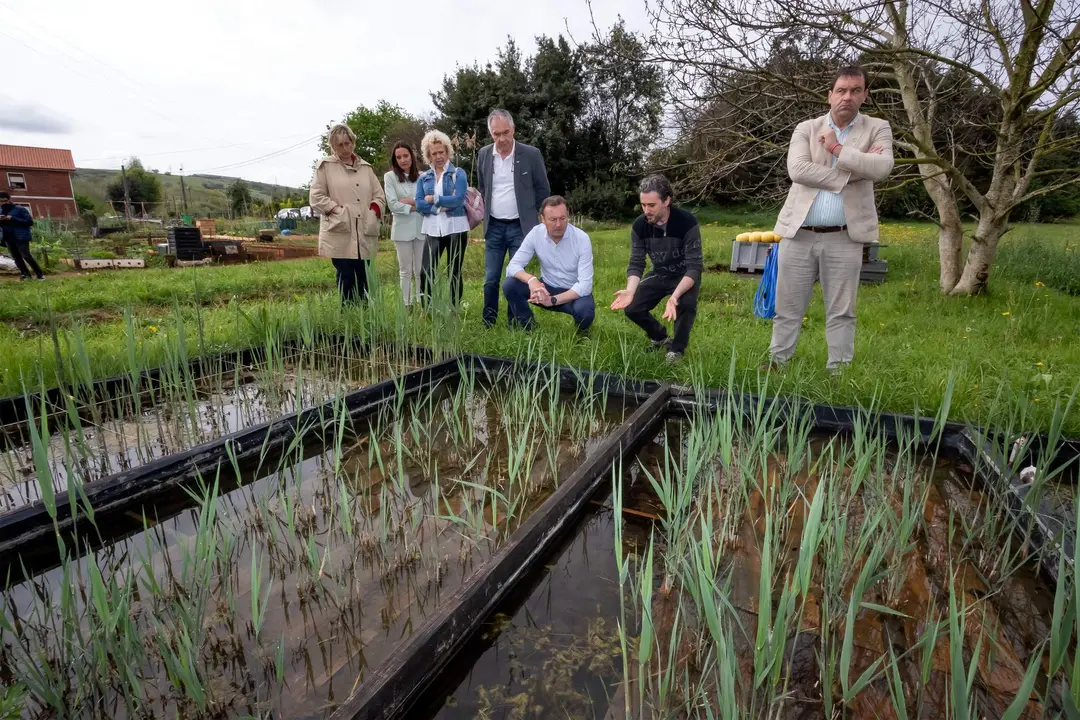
x: 440, y: 224
x: 503, y: 198
x: 567, y: 265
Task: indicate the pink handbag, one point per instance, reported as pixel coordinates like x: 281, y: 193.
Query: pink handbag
x: 474, y: 206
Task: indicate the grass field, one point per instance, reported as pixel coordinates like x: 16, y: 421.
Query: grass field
x: 1017, y: 348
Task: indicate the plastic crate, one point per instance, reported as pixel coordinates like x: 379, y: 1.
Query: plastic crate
x: 749, y: 256
x: 874, y: 272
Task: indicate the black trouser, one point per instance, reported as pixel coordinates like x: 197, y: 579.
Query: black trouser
x: 351, y: 278
x: 651, y: 290
x: 454, y: 247
x: 20, y: 253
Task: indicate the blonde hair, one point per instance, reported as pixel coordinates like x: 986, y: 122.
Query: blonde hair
x: 341, y: 129
x: 434, y: 137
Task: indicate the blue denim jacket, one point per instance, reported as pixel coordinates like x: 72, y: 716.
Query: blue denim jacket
x: 454, y: 186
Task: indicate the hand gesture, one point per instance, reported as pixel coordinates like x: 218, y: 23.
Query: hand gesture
x: 877, y: 150
x: 623, y: 298
x: 540, y: 296
x: 828, y: 138
x: 669, y: 309
x: 408, y: 201
x: 429, y: 199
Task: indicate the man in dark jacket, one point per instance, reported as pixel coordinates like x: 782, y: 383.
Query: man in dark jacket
x: 15, y: 223
x: 512, y: 179
x: 671, y: 238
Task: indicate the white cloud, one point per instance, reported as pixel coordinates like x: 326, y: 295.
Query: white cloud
x: 25, y: 117
x: 220, y: 83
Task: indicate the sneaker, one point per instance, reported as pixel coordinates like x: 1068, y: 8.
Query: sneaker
x: 672, y: 357
x: 42, y: 278
x: 664, y: 344
x: 24, y: 278
x: 838, y: 369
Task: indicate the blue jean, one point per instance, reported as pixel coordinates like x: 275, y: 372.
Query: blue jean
x: 583, y: 309
x: 501, y: 240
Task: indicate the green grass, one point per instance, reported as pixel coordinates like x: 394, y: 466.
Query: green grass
x: 1016, y: 346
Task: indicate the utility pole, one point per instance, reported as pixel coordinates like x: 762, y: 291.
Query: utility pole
x: 183, y: 190
x: 127, y: 196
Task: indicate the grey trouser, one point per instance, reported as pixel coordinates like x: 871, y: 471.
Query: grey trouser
x: 410, y: 259
x: 834, y: 259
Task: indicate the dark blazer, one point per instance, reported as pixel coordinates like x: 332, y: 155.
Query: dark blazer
x: 530, y: 183
x: 17, y: 229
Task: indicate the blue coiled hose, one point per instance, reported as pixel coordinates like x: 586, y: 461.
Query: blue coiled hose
x: 765, y: 297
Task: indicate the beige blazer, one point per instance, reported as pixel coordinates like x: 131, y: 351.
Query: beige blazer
x: 353, y: 232
x: 810, y: 168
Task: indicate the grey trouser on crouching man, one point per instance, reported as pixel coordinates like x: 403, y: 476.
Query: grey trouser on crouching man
x: 835, y: 260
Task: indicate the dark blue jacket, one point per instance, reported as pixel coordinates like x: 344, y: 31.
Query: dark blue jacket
x: 17, y: 229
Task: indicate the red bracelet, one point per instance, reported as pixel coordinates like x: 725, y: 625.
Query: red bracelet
x: 836, y: 145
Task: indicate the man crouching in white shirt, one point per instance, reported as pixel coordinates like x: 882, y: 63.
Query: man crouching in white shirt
x: 566, y: 269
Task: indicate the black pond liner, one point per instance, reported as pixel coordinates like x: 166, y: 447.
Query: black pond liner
x: 27, y: 535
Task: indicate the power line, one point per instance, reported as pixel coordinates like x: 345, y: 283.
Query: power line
x: 191, y: 150
x: 260, y: 158
x: 139, y: 93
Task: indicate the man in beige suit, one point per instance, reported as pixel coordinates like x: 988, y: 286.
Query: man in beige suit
x: 829, y: 215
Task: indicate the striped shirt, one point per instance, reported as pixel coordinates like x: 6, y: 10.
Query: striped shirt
x: 828, y: 207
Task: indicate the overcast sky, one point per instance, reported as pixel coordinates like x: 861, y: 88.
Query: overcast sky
x: 215, y: 85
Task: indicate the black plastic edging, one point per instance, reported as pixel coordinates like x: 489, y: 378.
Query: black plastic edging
x: 1035, y: 524
x: 400, y: 680
x: 27, y: 533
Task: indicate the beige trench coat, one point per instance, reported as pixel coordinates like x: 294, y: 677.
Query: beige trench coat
x: 353, y: 231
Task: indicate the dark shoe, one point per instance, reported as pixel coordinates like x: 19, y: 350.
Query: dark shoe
x: 24, y: 277
x: 664, y: 345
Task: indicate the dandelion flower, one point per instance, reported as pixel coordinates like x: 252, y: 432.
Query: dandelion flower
x: 153, y: 328
x: 1038, y: 364
x: 1039, y: 283
x: 1006, y: 314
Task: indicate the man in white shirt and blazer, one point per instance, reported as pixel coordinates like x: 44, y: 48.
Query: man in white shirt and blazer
x: 513, y: 181
x: 829, y: 216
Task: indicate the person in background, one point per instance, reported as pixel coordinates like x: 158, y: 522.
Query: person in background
x: 512, y: 179
x: 407, y: 233
x: 833, y: 161
x: 671, y: 238
x: 15, y: 224
x: 566, y: 270
x: 347, y: 192
x: 440, y: 198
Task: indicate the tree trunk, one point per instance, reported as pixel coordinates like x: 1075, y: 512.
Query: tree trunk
x: 980, y: 257
x: 951, y: 234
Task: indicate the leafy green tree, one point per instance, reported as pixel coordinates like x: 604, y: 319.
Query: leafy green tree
x: 239, y: 197
x: 373, y: 127
x: 143, y: 187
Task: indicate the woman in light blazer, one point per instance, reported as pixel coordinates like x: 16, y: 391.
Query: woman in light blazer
x: 407, y: 230
x: 346, y: 190
x: 440, y: 198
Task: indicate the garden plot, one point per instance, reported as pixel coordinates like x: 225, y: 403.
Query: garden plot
x: 787, y: 575
x: 88, y: 441
x: 277, y: 598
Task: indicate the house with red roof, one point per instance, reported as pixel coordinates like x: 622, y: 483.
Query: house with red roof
x: 39, y: 179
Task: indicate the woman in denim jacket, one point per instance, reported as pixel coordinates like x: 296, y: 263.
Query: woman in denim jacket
x: 440, y: 198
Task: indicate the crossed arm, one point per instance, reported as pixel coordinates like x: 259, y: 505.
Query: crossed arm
x: 852, y: 164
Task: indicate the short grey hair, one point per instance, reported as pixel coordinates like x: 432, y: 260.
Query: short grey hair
x: 500, y: 113
x: 341, y: 129
x: 436, y: 137
x: 656, y: 184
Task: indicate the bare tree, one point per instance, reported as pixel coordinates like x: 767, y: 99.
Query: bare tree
x: 978, y: 92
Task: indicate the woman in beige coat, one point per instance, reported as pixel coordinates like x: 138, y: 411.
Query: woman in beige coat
x: 346, y: 191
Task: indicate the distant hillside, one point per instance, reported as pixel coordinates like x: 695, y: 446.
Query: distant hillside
x: 205, y: 193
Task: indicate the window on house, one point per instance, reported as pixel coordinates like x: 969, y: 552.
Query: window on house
x: 16, y: 181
